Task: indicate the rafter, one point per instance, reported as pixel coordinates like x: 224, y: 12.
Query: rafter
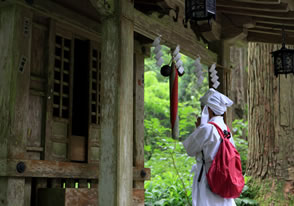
x: 265, y: 14
x: 269, y: 38
x: 282, y: 7
x: 274, y: 27
x: 274, y: 21
x: 172, y: 34
x: 269, y: 2
x: 271, y: 32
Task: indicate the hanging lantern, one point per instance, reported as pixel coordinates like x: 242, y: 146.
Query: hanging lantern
x: 197, y: 10
x: 283, y: 59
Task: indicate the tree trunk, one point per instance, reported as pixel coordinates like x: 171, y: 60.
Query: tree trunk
x: 270, y: 118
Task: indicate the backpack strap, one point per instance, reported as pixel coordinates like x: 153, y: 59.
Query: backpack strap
x: 201, y: 171
x: 223, y: 134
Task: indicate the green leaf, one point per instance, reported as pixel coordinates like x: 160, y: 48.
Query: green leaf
x: 147, y: 148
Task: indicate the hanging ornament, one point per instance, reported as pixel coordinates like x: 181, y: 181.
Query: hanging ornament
x: 177, y: 59
x: 157, y: 51
x: 214, y: 77
x: 165, y: 70
x: 199, y: 72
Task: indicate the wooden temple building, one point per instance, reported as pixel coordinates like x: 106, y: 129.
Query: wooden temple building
x: 72, y: 89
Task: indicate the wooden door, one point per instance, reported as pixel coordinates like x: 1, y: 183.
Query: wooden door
x: 95, y: 101
x: 59, y: 93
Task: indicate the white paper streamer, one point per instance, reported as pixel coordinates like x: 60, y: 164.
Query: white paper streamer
x: 156, y: 41
x: 199, y: 72
x: 214, y: 77
x: 181, y: 70
x: 177, y: 59
x: 157, y: 51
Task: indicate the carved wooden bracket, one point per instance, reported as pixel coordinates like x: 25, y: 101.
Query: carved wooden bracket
x: 104, y: 7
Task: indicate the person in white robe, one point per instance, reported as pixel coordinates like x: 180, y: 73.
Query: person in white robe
x: 207, y: 139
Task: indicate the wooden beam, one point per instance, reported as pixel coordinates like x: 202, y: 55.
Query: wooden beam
x: 260, y: 1
x: 232, y: 20
x: 274, y: 27
x: 282, y: 7
x: 172, y: 34
x: 265, y: 14
x: 210, y: 31
x: 57, y: 169
x: 272, y: 21
x: 234, y: 27
x: 272, y: 32
x: 35, y: 149
x: 240, y: 37
x: 62, y: 14
x: 269, y: 38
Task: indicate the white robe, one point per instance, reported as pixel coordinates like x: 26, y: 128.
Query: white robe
x: 205, y: 138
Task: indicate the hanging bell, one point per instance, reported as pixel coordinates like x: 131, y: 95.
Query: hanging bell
x: 165, y: 70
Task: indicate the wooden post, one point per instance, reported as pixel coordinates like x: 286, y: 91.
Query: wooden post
x: 15, y: 39
x: 116, y: 154
x: 223, y: 50
x: 138, y: 191
x: 139, y: 107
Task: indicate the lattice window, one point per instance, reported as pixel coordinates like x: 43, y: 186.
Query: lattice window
x: 62, y: 72
x: 95, y: 85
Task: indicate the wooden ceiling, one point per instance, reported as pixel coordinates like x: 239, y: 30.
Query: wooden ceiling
x: 251, y: 20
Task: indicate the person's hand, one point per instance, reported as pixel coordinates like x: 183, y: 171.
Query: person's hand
x: 198, y: 122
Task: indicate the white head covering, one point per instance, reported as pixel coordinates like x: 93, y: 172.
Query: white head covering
x: 216, y: 101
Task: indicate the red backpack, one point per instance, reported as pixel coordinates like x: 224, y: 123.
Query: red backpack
x: 224, y: 176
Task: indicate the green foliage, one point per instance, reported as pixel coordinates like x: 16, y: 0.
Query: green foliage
x: 171, y: 179
x: 165, y: 186
x: 248, y: 195
x: 240, y: 129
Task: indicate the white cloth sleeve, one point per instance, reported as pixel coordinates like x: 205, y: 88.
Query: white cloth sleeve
x: 197, y: 140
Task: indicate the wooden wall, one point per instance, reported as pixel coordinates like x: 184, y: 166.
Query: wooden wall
x: 37, y: 77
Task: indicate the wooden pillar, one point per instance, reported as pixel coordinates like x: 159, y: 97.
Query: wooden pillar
x: 139, y: 106
x: 15, y: 41
x: 222, y: 48
x: 138, y: 159
x: 116, y: 154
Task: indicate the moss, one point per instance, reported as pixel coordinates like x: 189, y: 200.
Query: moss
x: 270, y: 192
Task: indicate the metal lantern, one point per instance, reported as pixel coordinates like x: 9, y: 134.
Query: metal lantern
x: 283, y: 59
x: 197, y: 10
